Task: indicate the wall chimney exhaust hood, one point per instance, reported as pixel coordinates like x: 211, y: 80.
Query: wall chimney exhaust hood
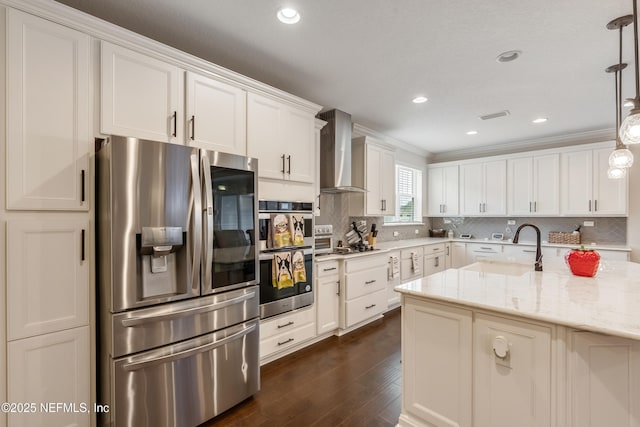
x: 335, y: 153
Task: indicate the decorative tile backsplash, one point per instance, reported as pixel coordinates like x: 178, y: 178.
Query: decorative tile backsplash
x: 334, y: 209
x: 605, y: 231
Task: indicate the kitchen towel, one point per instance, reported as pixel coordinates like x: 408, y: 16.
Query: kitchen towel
x: 394, y: 260
x: 282, y: 276
x: 296, y: 223
x: 415, y: 262
x: 299, y: 271
x: 280, y: 235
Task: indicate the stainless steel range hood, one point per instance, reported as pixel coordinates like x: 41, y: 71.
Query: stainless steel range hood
x: 335, y: 153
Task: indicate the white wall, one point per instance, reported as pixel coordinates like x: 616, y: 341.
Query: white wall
x: 633, y: 221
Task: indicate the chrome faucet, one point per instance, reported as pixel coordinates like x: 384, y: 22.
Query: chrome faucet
x: 538, y: 265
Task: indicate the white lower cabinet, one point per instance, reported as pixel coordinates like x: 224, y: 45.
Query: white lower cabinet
x: 411, y: 263
x: 511, y: 373
x: 327, y: 296
x: 48, y: 370
x: 603, y: 380
x: 364, y: 289
x: 434, y: 259
x: 458, y: 254
x: 436, y: 365
x: 285, y: 331
x: 483, y: 252
x: 452, y: 376
x: 393, y: 280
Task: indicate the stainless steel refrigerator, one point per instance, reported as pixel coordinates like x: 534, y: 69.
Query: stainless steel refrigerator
x: 178, y: 299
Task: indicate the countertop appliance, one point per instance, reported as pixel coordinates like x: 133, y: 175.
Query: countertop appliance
x: 323, y: 239
x: 177, y: 279
x: 286, y: 256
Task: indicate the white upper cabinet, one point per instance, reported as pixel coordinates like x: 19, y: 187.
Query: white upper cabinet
x: 373, y: 168
x: 140, y: 96
x: 216, y: 115
x: 442, y: 191
x: 585, y: 188
x: 533, y: 185
x: 47, y: 115
x: 483, y: 188
x: 282, y: 138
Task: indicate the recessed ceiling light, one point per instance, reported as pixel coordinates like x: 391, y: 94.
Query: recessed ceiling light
x: 540, y: 120
x: 420, y: 99
x: 472, y: 132
x: 508, y: 56
x: 287, y: 15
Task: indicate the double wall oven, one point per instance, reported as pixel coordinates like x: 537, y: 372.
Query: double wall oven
x: 178, y: 282
x: 286, y: 256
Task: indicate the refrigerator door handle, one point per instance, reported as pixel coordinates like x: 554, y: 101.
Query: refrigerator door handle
x: 134, y: 366
x: 141, y: 320
x: 197, y: 222
x: 207, y: 224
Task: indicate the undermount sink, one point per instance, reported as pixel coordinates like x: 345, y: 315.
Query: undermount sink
x: 500, y: 267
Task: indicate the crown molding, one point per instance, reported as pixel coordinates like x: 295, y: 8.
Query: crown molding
x: 360, y: 130
x: 577, y: 138
x: 103, y: 30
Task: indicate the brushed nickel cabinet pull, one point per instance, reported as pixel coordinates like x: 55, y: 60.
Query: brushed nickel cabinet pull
x: 193, y: 127
x: 82, y: 185
x: 291, y: 322
x: 289, y: 159
x: 369, y: 282
x: 82, y: 254
x: 285, y: 341
x: 369, y: 306
x: 175, y: 124
x: 282, y: 157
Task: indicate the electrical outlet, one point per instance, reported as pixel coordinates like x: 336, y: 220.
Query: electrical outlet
x: 588, y: 223
x: 447, y: 221
x: 511, y: 222
x: 417, y: 231
x: 396, y: 233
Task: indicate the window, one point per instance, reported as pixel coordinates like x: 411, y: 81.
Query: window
x: 408, y: 196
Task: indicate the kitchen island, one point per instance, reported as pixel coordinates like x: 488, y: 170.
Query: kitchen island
x: 497, y: 344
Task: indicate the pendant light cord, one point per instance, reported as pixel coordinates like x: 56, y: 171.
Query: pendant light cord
x: 635, y: 42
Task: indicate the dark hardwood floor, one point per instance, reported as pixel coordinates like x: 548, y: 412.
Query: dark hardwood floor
x: 353, y: 380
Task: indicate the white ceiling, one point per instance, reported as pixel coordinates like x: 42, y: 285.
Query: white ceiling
x: 371, y: 57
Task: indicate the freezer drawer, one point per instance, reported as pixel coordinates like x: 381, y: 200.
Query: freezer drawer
x: 152, y: 327
x: 185, y: 384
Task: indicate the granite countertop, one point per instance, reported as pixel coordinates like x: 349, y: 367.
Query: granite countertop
x: 608, y: 303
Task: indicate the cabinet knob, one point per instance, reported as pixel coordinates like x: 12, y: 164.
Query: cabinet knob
x: 501, y: 347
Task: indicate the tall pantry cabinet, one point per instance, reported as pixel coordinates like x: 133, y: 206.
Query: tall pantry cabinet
x: 46, y: 219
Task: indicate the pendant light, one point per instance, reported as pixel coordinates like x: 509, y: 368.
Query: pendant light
x: 621, y: 157
x: 630, y: 129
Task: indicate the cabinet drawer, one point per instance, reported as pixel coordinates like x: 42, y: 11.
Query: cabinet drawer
x: 365, y: 307
x: 286, y: 339
x: 365, y: 282
x: 433, y: 249
x: 366, y: 262
x: 286, y: 322
x: 327, y: 268
x: 405, y: 254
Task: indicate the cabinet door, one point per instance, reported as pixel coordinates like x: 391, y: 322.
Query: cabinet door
x: 264, y: 117
x: 451, y: 190
x: 140, y: 96
x: 494, y: 188
x: 298, y: 130
x: 387, y: 172
x: 435, y: 191
x: 393, y: 280
x: 216, y: 115
x: 576, y: 184
x: 514, y: 390
x: 520, y: 186
x: 373, y: 195
x: 47, y: 115
x: 604, y: 380
x: 546, y: 185
x: 471, y: 191
x: 458, y: 255
x: 327, y: 305
x: 47, y: 276
x: 49, y: 369
x: 434, y: 264
x: 436, y: 364
x: 609, y: 195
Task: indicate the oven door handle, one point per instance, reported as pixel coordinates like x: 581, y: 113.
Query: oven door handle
x: 135, y: 366
x: 207, y: 212
x: 197, y: 222
x: 141, y: 320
